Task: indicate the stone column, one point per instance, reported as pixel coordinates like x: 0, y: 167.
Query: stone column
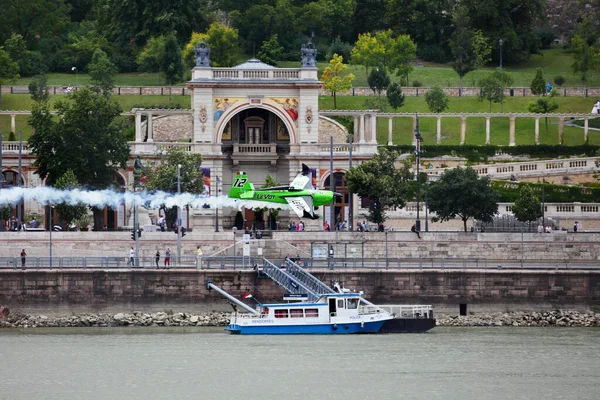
x: 487, y: 130
x: 150, y: 128
x: 561, y: 129
x: 355, y: 132
x: 585, y: 129
x: 373, y: 129
x: 138, y: 126
x: 537, y: 130
x: 463, y: 129
x: 13, y: 123
x: 438, y: 136
x: 390, y: 131
x: 414, y: 128
x: 361, y: 129
x: 511, y: 139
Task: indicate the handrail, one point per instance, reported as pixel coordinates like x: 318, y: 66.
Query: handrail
x: 287, y: 281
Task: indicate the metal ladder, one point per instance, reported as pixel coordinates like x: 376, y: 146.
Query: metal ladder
x: 296, y: 280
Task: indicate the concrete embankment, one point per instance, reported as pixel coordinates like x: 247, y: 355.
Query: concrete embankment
x: 558, y: 318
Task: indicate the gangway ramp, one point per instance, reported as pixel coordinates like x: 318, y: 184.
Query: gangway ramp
x: 296, y: 280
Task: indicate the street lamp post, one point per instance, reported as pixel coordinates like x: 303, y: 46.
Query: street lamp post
x: 1, y: 185
x: 217, y: 207
x: 418, y: 138
x: 350, y: 195
x: 500, y: 42
x: 51, y: 211
x: 75, y: 69
x: 178, y: 215
x: 426, y: 206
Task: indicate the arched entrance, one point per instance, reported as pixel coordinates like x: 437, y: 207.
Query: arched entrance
x: 255, y: 126
x: 341, y: 203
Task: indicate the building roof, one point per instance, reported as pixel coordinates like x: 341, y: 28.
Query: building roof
x: 254, y: 63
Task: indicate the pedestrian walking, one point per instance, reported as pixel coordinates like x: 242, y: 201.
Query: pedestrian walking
x: 131, y: 261
x: 168, y: 258
x: 23, y: 258
x: 157, y: 258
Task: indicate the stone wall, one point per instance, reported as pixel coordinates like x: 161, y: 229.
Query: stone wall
x: 151, y: 289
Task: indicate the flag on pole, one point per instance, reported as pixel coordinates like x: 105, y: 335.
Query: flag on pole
x: 248, y: 295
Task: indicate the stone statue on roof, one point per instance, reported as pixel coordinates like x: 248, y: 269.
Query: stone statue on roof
x: 309, y: 55
x: 202, y: 52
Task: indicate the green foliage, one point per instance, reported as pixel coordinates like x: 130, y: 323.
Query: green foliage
x: 335, y: 77
x: 16, y: 47
x: 585, y: 57
x: 102, y: 73
x: 171, y: 63
x: 39, y: 89
x: 88, y: 139
x: 461, y: 193
x: 163, y: 175
x: 470, y: 49
x: 527, y: 207
x: 69, y: 212
x: 546, y: 37
x: 436, y: 99
x: 339, y: 47
x: 12, y: 137
x: 150, y: 57
x: 492, y: 87
x: 270, y: 51
x: 379, y: 180
x: 559, y: 80
x: 544, y: 105
x: 378, y: 81
x: 394, y: 96
x: 9, y: 69
x: 538, y: 84
x: 223, y: 42
x: 509, y: 192
x: 403, y: 53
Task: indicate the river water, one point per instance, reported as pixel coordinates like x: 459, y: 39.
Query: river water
x: 207, y: 363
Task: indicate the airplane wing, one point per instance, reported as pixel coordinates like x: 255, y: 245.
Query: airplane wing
x: 301, y: 205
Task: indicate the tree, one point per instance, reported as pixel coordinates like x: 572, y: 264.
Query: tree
x: 527, y: 206
x: 538, y: 84
x: 461, y: 193
x: 544, y: 105
x: 9, y: 70
x: 38, y: 88
x: 270, y: 51
x: 69, y: 212
x: 403, y: 53
x: 16, y: 47
x: 151, y: 55
x: 378, y: 81
x: 171, y: 63
x: 470, y: 49
x: 379, y: 180
x: 334, y: 77
x: 223, y: 42
x: 395, y: 96
x: 88, y: 138
x: 365, y: 51
x: 585, y: 57
x: 102, y: 73
x: 163, y: 175
x: 436, y: 99
x: 492, y: 87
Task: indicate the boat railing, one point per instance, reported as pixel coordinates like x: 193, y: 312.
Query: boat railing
x: 307, y: 278
x: 367, y: 310
x: 289, y: 282
x: 409, y: 311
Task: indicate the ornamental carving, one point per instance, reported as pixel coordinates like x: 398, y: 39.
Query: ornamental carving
x: 203, y: 114
x: 309, y: 115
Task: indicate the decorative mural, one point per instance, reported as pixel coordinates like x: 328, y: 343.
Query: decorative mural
x: 282, y: 132
x: 222, y: 104
x: 290, y: 106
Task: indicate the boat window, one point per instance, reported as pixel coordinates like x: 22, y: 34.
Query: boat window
x: 352, y: 304
x: 340, y: 303
x: 311, y: 313
x: 281, y: 313
x: 296, y: 313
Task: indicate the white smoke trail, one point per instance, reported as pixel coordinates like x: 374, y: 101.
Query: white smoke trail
x: 108, y: 198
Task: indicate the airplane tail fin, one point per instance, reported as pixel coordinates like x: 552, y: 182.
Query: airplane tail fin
x: 240, y: 185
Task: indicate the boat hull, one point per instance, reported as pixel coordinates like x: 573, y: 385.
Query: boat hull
x: 318, y: 329
x: 408, y: 325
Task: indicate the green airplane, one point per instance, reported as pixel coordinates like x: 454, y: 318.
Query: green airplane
x: 300, y: 195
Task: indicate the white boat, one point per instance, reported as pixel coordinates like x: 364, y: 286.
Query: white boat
x: 314, y: 308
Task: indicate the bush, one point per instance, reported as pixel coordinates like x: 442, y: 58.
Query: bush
x: 12, y: 137
x: 433, y: 53
x: 559, y: 80
x: 417, y: 83
x: 546, y: 37
x: 340, y: 48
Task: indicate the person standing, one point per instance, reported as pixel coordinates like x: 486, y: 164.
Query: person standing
x: 168, y: 258
x: 131, y: 261
x: 157, y: 258
x: 199, y: 257
x: 23, y: 258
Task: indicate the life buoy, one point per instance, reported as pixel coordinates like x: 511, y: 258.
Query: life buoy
x: 334, y: 327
